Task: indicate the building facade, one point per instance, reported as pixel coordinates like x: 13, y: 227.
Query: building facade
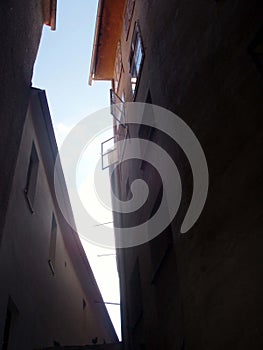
x: 202, y: 61
x: 49, y: 294
x: 20, y: 32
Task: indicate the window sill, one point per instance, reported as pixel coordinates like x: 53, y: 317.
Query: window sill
x: 51, y: 267
x: 29, y: 203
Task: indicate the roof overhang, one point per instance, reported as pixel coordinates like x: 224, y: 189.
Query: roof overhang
x: 50, y: 13
x: 107, y: 33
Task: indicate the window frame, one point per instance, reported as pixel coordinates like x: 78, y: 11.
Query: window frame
x: 136, y: 58
x: 127, y: 18
x: 118, y: 67
x: 117, y: 106
x: 53, y: 244
x: 31, y: 178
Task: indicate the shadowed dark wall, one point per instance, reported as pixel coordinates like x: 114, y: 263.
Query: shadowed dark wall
x: 20, y: 32
x: 203, y: 61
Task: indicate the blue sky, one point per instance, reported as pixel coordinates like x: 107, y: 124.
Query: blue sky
x: 63, y: 63
x: 62, y: 70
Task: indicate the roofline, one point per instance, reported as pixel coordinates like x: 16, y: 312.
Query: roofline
x: 95, y: 43
x: 50, y: 10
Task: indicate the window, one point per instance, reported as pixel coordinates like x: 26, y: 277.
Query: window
x: 136, y: 58
x: 117, y: 109
x: 52, y: 246
x: 118, y: 67
x: 128, y: 16
x: 128, y: 193
x: 109, y: 153
x: 31, y: 179
x: 123, y: 120
x: 120, y: 129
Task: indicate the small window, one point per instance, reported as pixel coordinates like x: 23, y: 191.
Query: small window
x: 128, y: 189
x: 118, y: 67
x: 120, y: 129
x: 136, y: 58
x: 31, y: 179
x: 128, y: 17
x: 118, y: 109
x: 109, y: 153
x: 52, y: 246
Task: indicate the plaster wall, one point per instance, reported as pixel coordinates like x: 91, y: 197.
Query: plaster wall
x: 50, y: 305
x: 20, y: 32
x: 198, y: 64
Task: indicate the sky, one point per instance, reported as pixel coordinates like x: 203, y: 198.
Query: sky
x: 62, y: 70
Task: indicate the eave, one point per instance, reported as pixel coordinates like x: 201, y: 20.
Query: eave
x: 50, y: 13
x: 107, y: 33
